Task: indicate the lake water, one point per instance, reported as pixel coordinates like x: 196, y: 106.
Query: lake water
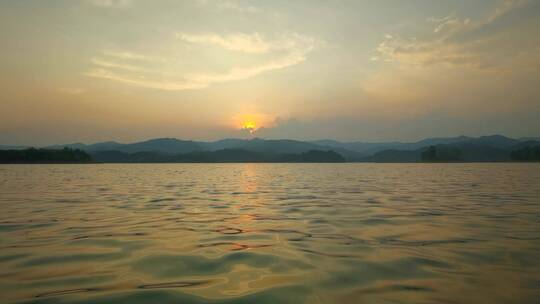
x: 270, y: 233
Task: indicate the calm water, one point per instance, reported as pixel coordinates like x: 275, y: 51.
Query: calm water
x: 270, y: 233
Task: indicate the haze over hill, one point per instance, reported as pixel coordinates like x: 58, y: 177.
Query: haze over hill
x: 460, y: 148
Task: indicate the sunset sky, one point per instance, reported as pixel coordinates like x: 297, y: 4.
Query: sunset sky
x: 129, y: 70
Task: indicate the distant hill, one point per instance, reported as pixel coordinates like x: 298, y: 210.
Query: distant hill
x: 496, y: 141
x: 176, y: 146
x: 493, y: 148
x: 394, y: 156
x: 265, y: 145
x: 218, y: 156
x: 522, y: 139
x: 163, y: 145
x: 364, y: 148
x: 228, y: 143
x: 483, y: 148
x: 372, y: 148
x: 464, y: 153
x: 527, y: 143
x: 7, y: 147
x: 527, y: 151
x: 108, y: 145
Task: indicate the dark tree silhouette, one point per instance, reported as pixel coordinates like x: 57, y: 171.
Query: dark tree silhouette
x: 441, y: 153
x: 32, y: 155
x: 531, y: 153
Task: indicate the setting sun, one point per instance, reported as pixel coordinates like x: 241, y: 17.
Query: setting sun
x: 252, y: 122
x: 249, y: 126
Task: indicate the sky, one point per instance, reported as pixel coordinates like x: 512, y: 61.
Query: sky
x: 129, y: 70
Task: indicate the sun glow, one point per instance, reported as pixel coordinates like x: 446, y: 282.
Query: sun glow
x: 250, y: 126
x: 251, y: 123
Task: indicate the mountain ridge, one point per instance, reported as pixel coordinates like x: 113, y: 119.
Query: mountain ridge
x: 483, y: 148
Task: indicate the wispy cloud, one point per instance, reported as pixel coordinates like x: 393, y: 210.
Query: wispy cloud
x: 461, y: 66
x: 151, y: 72
x: 235, y: 6
x: 248, y: 43
x: 232, y: 5
x: 71, y: 91
x: 129, y: 56
x: 448, y: 22
x: 110, y: 3
x: 454, y: 41
x: 239, y: 73
x: 144, y: 81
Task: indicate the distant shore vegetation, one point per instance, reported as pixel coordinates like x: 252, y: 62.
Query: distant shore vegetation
x: 67, y: 155
x: 32, y: 155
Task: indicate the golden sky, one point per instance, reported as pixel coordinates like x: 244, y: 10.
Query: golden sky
x: 128, y: 70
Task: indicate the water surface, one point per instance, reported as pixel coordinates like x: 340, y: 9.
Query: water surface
x: 270, y: 233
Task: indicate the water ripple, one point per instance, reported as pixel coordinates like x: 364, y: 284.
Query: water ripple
x: 270, y: 233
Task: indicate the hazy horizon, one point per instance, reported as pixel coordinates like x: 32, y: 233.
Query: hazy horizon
x: 262, y: 138
x: 128, y: 70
